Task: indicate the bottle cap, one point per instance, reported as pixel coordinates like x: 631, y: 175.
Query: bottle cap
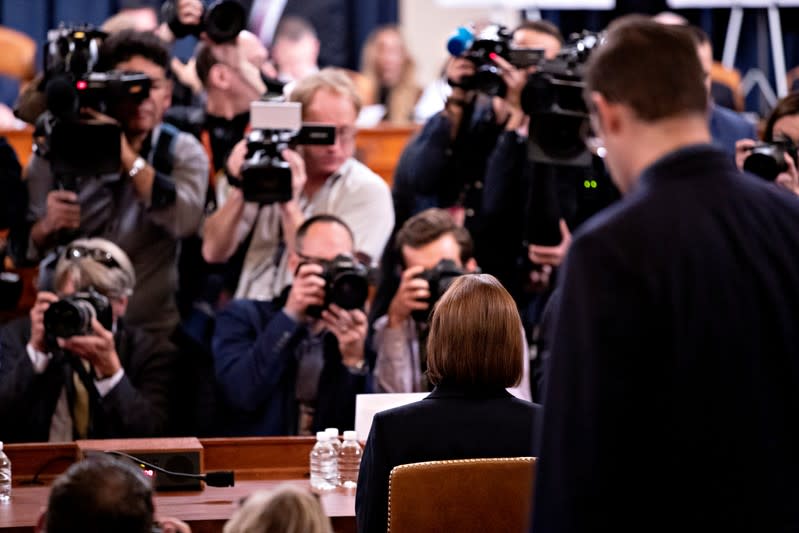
x: 321, y: 436
x: 350, y: 435
x: 333, y: 432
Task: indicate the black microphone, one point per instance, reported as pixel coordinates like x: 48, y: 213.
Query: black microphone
x: 219, y: 478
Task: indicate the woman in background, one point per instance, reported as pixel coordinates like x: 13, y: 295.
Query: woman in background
x: 390, y: 70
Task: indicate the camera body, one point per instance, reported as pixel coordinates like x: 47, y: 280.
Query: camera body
x: 767, y: 159
x: 265, y: 175
x: 553, y: 97
x: 438, y: 279
x: 493, y: 39
x: 74, y: 146
x: 346, y: 284
x: 73, y: 315
x: 221, y: 21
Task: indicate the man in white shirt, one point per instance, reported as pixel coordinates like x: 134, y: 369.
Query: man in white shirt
x: 325, y: 179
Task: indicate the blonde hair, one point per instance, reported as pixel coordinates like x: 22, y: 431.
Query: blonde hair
x: 287, y: 509
x: 85, y: 272
x: 402, y: 98
x: 330, y: 79
x: 474, y: 338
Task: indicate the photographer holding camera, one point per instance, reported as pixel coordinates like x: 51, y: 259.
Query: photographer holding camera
x: 434, y: 251
x: 156, y: 198
x: 74, y: 368
x: 774, y: 159
x: 295, y: 364
x: 324, y: 179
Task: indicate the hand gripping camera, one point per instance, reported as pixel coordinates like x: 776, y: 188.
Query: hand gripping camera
x: 438, y: 278
x: 346, y: 284
x: 477, y: 48
x: 221, y: 21
x: 73, y: 315
x: 265, y: 175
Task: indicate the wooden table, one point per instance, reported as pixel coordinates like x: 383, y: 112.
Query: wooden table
x: 260, y: 463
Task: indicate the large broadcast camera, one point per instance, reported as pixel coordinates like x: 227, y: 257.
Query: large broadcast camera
x: 767, y: 159
x: 75, y: 146
x: 553, y: 97
x: 73, y: 315
x: 493, y: 39
x: 438, y: 279
x: 265, y: 175
x: 221, y: 21
x: 346, y: 284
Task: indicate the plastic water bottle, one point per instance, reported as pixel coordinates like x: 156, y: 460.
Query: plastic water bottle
x: 5, y: 476
x: 323, y: 463
x: 336, y: 444
x: 349, y: 460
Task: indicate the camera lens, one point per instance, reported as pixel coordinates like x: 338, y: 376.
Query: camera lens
x: 224, y: 20
x: 67, y: 318
x: 349, y: 290
x: 766, y: 162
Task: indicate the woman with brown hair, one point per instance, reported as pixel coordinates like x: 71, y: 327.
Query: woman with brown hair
x: 390, y: 70
x: 474, y: 351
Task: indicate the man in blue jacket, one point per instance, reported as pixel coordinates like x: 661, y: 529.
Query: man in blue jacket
x: 282, y: 371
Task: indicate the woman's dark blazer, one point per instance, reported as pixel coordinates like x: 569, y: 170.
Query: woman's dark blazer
x: 450, y: 423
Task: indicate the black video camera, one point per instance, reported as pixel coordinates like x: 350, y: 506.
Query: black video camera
x: 73, y: 315
x: 346, y: 284
x: 265, y: 175
x: 767, y: 159
x: 493, y: 39
x: 74, y: 146
x: 438, y: 279
x: 553, y: 97
x: 221, y: 21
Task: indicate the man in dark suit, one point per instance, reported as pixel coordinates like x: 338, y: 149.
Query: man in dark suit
x: 112, y: 382
x: 671, y: 399
x: 284, y: 368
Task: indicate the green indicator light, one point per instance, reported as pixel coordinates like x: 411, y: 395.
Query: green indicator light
x: 587, y: 184
x: 593, y: 184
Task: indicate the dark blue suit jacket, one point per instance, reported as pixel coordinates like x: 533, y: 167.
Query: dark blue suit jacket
x: 256, y: 356
x: 451, y: 423
x: 673, y: 391
x: 727, y: 126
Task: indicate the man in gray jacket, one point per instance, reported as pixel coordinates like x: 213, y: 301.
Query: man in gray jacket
x: 155, y: 199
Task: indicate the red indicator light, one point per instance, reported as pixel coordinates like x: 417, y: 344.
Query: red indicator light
x: 81, y: 85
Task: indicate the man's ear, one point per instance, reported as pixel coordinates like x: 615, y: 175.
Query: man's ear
x: 293, y: 262
x: 608, y: 116
x: 471, y: 265
x: 218, y: 76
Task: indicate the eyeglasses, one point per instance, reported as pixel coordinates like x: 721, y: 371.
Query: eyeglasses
x: 73, y: 253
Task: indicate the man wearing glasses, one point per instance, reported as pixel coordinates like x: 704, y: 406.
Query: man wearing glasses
x: 325, y: 179
x: 287, y: 370
x: 155, y: 199
x: 109, y: 381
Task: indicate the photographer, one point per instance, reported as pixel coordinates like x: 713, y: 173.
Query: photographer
x: 283, y: 371
x: 325, y: 179
x: 434, y: 251
x: 447, y: 164
x: 782, y: 125
x: 103, y: 380
x: 157, y: 197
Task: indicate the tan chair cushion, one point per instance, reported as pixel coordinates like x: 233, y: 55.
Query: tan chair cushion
x: 469, y: 495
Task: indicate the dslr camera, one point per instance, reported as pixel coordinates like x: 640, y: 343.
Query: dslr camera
x: 74, y: 146
x: 767, y: 159
x: 73, y: 315
x: 438, y: 279
x: 221, y: 21
x: 346, y: 284
x: 265, y: 175
x: 493, y: 39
